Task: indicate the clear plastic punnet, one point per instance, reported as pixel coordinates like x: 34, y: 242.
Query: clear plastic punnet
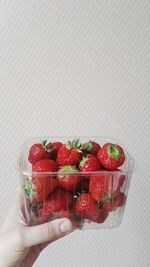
x: 97, y: 199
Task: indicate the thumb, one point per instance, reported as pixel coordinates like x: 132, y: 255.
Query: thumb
x: 47, y: 232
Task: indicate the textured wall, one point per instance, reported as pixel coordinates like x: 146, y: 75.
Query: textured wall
x: 79, y: 68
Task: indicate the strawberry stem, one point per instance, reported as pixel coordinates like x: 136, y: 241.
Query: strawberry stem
x: 87, y: 147
x: 44, y: 143
x: 75, y: 143
x: 83, y: 161
x: 47, y: 147
x: 107, y: 197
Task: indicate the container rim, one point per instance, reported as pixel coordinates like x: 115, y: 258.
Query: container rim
x: 101, y: 172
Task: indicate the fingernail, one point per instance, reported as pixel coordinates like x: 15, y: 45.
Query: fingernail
x: 65, y: 227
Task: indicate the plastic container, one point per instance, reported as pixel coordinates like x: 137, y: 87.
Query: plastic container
x: 110, y: 219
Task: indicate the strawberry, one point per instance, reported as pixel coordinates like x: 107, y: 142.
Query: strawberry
x: 64, y: 197
x: 45, y: 165
x: 120, y: 201
x: 69, y: 154
x: 89, y: 164
x: 103, y: 215
x: 91, y: 147
x: 111, y: 156
x: 58, y: 202
x: 108, y: 205
x: 67, y: 177
x: 55, y: 146
x: 38, y: 152
x: 102, y: 185
x: 112, y: 203
x: 87, y: 208
x: 41, y: 184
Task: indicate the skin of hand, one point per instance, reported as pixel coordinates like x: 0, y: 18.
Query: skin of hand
x: 20, y: 245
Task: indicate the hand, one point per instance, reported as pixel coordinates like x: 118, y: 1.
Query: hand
x: 20, y: 245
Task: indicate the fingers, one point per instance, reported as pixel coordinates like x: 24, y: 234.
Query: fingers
x: 15, y: 215
x: 47, y: 232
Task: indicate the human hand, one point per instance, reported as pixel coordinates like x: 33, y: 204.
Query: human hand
x: 20, y: 245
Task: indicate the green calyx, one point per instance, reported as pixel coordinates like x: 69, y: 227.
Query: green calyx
x: 113, y: 152
x: 47, y: 146
x: 44, y: 143
x: 105, y: 198
x: 68, y: 169
x: 108, y: 197
x: 28, y: 188
x: 75, y: 144
x: 87, y: 147
x: 83, y: 161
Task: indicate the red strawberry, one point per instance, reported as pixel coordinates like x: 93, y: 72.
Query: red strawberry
x: 111, y: 156
x: 58, y: 202
x: 120, y: 201
x: 108, y: 202
x: 69, y: 154
x: 68, y: 179
x: 55, y: 146
x: 87, y: 208
x: 112, y: 203
x: 91, y: 147
x: 38, y: 152
x: 103, y: 215
x: 108, y: 205
x: 41, y: 184
x: 64, y: 197
x: 102, y: 185
x: 45, y: 165
x: 89, y: 164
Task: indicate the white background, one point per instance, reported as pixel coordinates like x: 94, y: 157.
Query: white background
x: 79, y: 68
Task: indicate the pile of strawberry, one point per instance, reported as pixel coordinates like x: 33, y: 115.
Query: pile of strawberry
x: 79, y: 181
